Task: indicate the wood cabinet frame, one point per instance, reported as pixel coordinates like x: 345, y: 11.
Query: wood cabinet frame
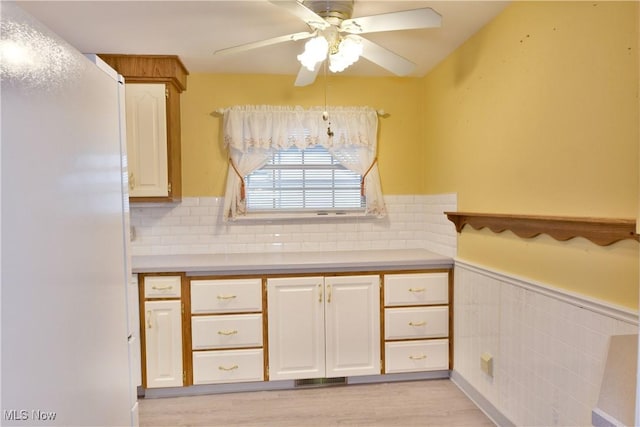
x: 450, y: 304
x: 169, y: 70
x: 186, y: 332
x: 187, y: 315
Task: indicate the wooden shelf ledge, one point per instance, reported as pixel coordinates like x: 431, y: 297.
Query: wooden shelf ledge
x: 601, y: 231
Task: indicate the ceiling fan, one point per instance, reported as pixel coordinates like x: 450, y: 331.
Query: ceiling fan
x: 335, y: 36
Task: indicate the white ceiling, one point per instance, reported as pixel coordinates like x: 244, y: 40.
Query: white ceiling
x: 193, y: 30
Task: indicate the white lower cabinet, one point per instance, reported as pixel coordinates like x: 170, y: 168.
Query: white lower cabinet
x: 323, y: 327
x: 416, y: 322
x: 227, y: 366
x: 163, y: 343
x: 285, y: 327
x: 416, y: 319
x: 226, y: 330
x: 414, y: 356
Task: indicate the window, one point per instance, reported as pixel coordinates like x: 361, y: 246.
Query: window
x: 308, y: 179
x: 284, y: 161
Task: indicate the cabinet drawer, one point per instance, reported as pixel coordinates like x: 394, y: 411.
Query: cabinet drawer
x: 416, y: 289
x: 240, y: 330
x: 162, y: 286
x: 227, y: 366
x: 416, y: 322
x: 226, y: 296
x: 413, y: 356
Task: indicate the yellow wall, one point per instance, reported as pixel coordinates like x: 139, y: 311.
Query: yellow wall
x: 538, y: 114
x: 204, y: 159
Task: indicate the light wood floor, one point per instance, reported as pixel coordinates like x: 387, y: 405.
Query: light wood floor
x: 414, y: 403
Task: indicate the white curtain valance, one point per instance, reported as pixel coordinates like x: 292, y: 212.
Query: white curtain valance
x: 253, y: 133
x: 269, y: 127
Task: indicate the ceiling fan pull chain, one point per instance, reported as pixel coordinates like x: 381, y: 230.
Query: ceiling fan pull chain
x: 325, y: 114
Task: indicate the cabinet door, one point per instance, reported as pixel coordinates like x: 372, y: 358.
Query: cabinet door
x: 146, y: 112
x: 352, y: 311
x: 296, y: 328
x: 163, y: 332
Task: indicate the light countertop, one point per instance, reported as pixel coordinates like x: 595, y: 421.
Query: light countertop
x: 292, y: 262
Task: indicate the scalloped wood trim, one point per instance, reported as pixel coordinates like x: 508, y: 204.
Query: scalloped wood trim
x: 601, y: 231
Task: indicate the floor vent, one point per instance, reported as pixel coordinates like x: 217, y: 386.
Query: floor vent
x: 321, y: 382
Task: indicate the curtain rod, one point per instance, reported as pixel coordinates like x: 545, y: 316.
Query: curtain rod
x: 220, y: 112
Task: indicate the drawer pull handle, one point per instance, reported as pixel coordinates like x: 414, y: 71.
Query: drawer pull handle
x: 416, y: 289
x: 329, y: 293
x: 319, y: 292
x: 161, y: 288
x: 231, y: 368
x: 417, y: 323
x: 421, y: 357
x: 149, y: 325
x: 227, y: 332
x: 226, y: 296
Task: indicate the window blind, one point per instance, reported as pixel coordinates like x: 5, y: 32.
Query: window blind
x: 303, y: 180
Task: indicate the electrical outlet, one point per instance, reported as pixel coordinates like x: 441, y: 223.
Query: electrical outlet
x: 486, y: 364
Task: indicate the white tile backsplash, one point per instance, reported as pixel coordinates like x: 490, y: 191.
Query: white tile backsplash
x: 549, y: 346
x: 195, y: 226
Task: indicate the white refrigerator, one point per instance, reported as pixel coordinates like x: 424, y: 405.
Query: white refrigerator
x: 65, y: 353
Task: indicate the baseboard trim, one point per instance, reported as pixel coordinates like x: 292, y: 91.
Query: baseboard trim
x: 195, y: 390
x: 389, y: 378
x: 481, y: 402
x: 600, y: 418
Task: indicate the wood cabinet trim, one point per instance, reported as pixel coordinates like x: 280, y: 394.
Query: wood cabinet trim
x: 413, y: 270
x: 187, y: 357
x: 142, y: 330
x: 601, y: 231
x: 149, y: 68
x: 185, y: 331
x: 218, y: 349
x: 187, y: 316
x: 170, y: 71
x: 449, y: 304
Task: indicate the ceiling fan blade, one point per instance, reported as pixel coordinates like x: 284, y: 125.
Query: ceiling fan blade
x: 404, y: 20
x: 263, y: 43
x: 385, y: 58
x: 306, y: 77
x: 307, y: 15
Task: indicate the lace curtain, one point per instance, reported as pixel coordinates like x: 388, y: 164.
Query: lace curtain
x: 253, y: 133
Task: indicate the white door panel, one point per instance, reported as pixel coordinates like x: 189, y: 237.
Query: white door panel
x: 163, y: 329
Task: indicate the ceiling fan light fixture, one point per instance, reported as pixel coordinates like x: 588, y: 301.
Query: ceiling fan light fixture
x: 315, y: 50
x: 349, y: 51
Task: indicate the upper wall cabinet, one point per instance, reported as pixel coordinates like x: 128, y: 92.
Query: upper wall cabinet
x: 153, y: 87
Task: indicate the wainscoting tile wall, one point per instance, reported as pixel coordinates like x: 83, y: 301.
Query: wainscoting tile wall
x: 549, y: 347
x: 195, y: 226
